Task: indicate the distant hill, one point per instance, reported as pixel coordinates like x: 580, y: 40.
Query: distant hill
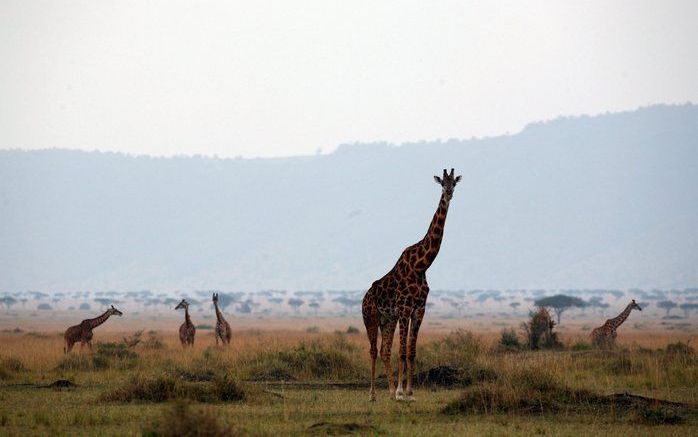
x: 604, y: 201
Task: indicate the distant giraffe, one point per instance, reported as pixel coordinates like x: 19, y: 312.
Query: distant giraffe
x: 401, y: 296
x: 606, y: 335
x: 222, y: 327
x: 83, y: 331
x: 187, y: 330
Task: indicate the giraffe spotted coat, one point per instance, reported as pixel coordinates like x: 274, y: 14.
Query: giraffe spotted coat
x: 400, y: 297
x: 605, y: 335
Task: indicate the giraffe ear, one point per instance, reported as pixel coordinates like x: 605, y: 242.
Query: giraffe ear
x: 438, y: 180
x: 457, y: 179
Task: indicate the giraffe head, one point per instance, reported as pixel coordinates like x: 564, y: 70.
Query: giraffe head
x: 114, y: 312
x: 183, y: 304
x: 215, y: 298
x: 635, y: 306
x: 448, y: 183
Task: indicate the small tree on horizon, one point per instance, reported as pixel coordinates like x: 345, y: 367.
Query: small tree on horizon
x: 667, y: 305
x: 560, y: 303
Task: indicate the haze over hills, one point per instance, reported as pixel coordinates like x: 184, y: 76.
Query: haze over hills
x: 584, y: 202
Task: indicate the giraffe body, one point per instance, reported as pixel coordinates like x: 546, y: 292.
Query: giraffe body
x: 83, y: 332
x: 223, y: 331
x: 187, y: 330
x: 605, y: 335
x: 400, y: 297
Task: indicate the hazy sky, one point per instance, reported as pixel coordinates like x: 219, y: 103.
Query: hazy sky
x: 285, y: 78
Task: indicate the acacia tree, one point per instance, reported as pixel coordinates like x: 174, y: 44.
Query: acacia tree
x: 295, y: 303
x: 667, y: 305
x: 560, y: 303
x: 688, y: 307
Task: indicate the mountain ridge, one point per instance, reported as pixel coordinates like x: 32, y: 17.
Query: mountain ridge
x: 533, y: 206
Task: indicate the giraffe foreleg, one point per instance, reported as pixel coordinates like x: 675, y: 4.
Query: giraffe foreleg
x: 404, y: 331
x: 415, y: 323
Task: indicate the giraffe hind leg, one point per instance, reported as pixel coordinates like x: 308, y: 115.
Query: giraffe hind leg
x: 370, y: 314
x: 402, y: 356
x: 415, y: 323
x: 387, y: 334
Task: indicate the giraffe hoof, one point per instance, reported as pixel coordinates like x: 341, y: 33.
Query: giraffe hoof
x: 399, y: 396
x: 410, y: 398
x: 372, y: 397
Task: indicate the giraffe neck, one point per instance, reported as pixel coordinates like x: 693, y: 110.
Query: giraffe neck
x: 431, y: 243
x: 93, y: 323
x: 219, y: 315
x: 187, y: 319
x: 617, y: 321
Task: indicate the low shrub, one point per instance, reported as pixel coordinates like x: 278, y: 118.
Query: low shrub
x: 227, y: 389
x: 353, y: 330
x: 625, y: 363
x: 153, y: 342
x: 114, y: 355
x: 523, y: 392
x: 581, y: 346
x: 312, y: 330
x: 162, y: 388
x: 13, y: 365
x: 75, y: 362
x: 183, y: 420
x: 657, y: 415
x: 509, y: 341
x: 317, y: 359
x: 679, y: 348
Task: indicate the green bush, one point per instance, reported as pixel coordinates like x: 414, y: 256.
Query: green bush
x: 581, y: 346
x: 14, y: 365
x: 680, y: 348
x: 228, y: 390
x: 508, y: 340
x: 162, y: 388
x: 75, y: 362
x: 114, y: 355
x: 316, y: 359
x: 182, y: 420
x: 658, y: 415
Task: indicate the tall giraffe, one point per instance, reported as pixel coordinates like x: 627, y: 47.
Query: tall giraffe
x: 606, y: 335
x: 222, y: 327
x: 187, y: 330
x: 83, y: 331
x: 401, y: 296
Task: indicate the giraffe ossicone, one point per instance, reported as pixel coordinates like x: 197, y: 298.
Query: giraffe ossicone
x: 400, y: 297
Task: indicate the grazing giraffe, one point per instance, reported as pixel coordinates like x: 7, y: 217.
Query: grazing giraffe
x: 83, y: 331
x: 401, y: 296
x: 606, y: 335
x: 222, y: 327
x: 187, y: 330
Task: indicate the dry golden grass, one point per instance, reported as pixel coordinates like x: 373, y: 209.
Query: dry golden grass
x: 639, y: 365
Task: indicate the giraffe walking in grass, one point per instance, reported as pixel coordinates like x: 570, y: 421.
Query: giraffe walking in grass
x: 187, y: 331
x: 83, y: 331
x: 605, y: 336
x: 401, y: 296
x: 222, y: 326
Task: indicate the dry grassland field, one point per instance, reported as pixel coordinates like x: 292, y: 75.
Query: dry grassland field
x: 310, y: 376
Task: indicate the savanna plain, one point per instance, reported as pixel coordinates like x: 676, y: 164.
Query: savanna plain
x: 310, y: 376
